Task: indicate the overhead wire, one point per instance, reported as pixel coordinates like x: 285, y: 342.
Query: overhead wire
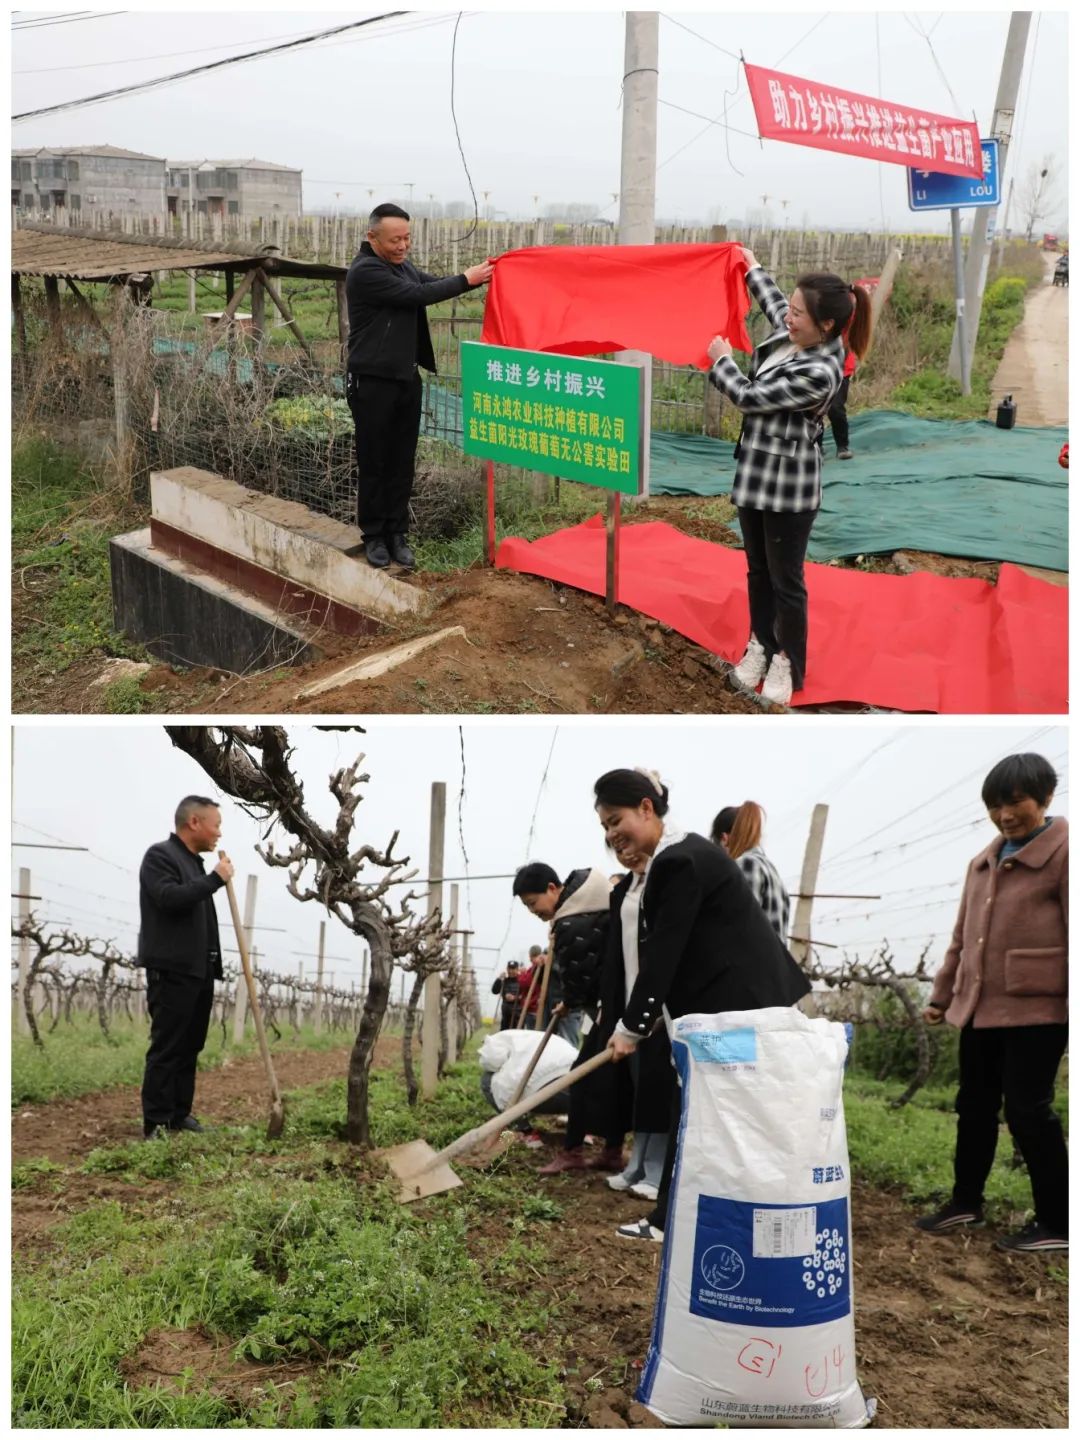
x: 532, y: 832
x: 457, y: 133
x: 162, y: 80
x: 65, y: 20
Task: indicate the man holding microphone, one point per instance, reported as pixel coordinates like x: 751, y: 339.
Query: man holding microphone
x: 180, y: 948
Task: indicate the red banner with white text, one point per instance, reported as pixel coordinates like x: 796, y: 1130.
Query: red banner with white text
x: 806, y: 113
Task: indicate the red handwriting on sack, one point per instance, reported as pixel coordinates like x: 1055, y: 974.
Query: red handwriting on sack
x: 757, y: 1357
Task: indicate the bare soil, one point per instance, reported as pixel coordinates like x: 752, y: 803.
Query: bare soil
x: 949, y: 1332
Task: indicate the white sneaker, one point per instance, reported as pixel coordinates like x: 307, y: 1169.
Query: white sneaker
x: 620, y: 1182
x: 777, y: 687
x: 750, y: 671
x: 644, y: 1191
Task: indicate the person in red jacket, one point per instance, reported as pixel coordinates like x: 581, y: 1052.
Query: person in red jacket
x: 1004, y: 985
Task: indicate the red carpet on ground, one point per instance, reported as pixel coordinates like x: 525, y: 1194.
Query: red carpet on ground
x: 903, y: 642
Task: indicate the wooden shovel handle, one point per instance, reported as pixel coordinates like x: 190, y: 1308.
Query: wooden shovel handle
x: 499, y: 1122
x: 253, y: 998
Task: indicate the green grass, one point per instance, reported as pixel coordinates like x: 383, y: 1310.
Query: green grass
x: 285, y: 1250
x: 517, y: 513
x: 77, y: 1059
x: 57, y: 505
x: 911, y: 1149
x: 931, y: 393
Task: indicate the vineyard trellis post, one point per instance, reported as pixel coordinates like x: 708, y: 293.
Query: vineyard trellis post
x: 240, y: 1004
x: 429, y: 1055
x: 319, y: 979
x: 24, y: 948
x: 448, y: 1041
x: 800, y: 930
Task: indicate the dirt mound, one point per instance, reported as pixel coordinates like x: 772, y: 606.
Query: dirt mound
x: 529, y: 646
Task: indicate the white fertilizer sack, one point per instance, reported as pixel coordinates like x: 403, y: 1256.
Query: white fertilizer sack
x: 754, y: 1321
x: 508, y: 1054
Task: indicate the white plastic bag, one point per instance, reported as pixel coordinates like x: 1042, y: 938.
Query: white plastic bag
x: 507, y: 1055
x: 754, y: 1321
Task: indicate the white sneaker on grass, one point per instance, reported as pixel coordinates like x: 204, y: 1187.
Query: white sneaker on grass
x: 777, y: 687
x: 750, y: 671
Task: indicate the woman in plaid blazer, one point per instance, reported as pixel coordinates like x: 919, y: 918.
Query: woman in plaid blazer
x: 794, y: 375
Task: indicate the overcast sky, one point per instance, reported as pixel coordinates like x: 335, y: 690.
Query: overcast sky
x: 537, y: 98
x: 904, y: 818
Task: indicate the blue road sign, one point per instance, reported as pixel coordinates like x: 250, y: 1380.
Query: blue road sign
x: 930, y: 190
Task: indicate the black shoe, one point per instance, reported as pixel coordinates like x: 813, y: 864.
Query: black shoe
x: 376, y: 553
x: 190, y: 1123
x: 155, y: 1132
x: 640, y: 1230
x: 951, y: 1217
x: 401, y: 554
x: 1034, y: 1239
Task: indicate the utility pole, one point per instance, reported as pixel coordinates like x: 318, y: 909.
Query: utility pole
x: 429, y: 1059
x: 637, y: 173
x: 240, y: 1007
x: 799, y: 941
x: 978, y: 256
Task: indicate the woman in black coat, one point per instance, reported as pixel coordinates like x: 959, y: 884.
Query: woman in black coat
x: 704, y: 943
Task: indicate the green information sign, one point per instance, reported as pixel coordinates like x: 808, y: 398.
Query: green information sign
x: 565, y: 415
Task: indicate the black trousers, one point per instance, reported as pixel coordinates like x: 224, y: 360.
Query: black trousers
x: 1017, y: 1065
x: 775, y: 545
x: 838, y: 414
x: 180, y: 1007
x: 386, y: 418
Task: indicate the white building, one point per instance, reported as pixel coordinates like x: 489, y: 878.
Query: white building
x: 87, y: 180
x: 251, y: 189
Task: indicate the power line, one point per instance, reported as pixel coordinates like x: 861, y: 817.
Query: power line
x: 937, y: 63
x: 532, y: 831
x: 141, y: 59
x: 161, y: 80
x: 698, y: 36
x: 67, y: 20
x: 457, y: 133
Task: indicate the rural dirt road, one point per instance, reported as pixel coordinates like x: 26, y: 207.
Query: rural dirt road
x: 1034, y: 369
x: 949, y: 1332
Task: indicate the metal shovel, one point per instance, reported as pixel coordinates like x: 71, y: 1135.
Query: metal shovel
x: 423, y: 1171
x: 276, y: 1123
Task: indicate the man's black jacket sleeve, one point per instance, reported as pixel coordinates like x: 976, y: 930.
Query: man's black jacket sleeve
x: 161, y: 880
x: 386, y: 285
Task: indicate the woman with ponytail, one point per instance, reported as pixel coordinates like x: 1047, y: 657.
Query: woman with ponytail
x: 699, y: 942
x: 737, y: 829
x: 794, y: 377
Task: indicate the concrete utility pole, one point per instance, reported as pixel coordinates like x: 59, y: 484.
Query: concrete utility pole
x: 978, y: 256
x: 799, y: 940
x: 429, y: 1058
x: 637, y: 174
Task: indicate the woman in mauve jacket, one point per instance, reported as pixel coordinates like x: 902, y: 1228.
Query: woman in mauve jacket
x: 1004, y: 985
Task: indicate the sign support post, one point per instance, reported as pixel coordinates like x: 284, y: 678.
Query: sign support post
x: 614, y: 535
x: 961, y: 320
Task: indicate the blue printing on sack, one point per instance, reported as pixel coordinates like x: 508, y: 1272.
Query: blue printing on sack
x: 724, y: 1047
x: 731, y: 1284
x: 681, y: 1059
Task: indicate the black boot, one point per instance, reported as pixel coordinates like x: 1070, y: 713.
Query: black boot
x: 401, y: 554
x: 376, y: 552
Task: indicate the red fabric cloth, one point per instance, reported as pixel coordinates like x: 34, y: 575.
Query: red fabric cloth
x: 1063, y: 457
x: 905, y: 642
x: 850, y: 361
x: 805, y: 112
x: 668, y: 300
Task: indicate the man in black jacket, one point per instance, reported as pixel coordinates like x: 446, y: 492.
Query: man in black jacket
x: 181, y: 950
x: 388, y: 339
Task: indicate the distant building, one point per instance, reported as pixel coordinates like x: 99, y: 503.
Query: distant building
x: 252, y: 189
x: 87, y: 180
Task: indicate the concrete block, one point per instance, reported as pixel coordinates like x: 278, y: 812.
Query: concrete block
x: 313, y: 551
x: 187, y: 618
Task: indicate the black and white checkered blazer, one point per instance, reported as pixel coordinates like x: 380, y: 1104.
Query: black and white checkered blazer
x: 779, y: 461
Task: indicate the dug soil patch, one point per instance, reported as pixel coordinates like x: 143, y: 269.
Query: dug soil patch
x: 183, y: 1361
